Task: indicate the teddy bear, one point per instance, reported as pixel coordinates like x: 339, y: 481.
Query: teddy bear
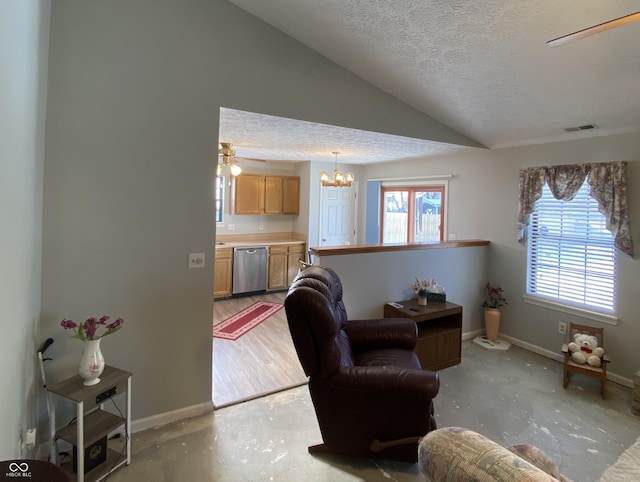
x: 585, y: 349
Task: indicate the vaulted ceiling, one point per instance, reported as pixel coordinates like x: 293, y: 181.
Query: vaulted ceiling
x: 481, y: 68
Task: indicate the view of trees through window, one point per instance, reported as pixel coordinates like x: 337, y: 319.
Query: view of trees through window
x: 412, y: 214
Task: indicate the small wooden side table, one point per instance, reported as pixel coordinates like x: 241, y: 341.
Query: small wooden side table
x: 439, y: 342
x: 92, y: 421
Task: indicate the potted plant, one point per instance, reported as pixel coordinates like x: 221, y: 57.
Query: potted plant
x: 494, y: 299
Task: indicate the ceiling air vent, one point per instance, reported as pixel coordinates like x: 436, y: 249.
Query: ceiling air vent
x: 581, y: 128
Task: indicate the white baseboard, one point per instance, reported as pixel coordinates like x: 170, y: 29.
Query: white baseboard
x: 44, y: 448
x: 626, y: 382
x: 207, y: 407
x: 471, y: 335
x: 169, y: 417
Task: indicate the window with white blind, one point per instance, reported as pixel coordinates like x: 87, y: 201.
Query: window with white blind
x: 571, y: 256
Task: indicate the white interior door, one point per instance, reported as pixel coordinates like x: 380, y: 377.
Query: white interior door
x: 337, y: 215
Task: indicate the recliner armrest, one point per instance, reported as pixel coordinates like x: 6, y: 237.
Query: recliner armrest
x: 386, y: 379
x: 382, y: 333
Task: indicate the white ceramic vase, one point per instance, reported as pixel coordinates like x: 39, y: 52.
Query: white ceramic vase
x: 91, y: 363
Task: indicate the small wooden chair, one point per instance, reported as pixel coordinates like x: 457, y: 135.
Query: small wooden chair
x: 572, y: 367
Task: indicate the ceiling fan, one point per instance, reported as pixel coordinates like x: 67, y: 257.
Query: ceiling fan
x: 227, y: 157
x: 601, y: 27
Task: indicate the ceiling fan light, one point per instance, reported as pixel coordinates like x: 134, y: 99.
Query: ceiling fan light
x: 235, y: 169
x: 226, y: 150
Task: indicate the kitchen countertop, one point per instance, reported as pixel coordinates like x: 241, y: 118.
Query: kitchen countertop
x: 376, y: 248
x: 239, y: 244
x: 267, y: 239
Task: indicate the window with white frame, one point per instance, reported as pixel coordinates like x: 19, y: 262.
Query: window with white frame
x: 412, y: 214
x: 571, y: 255
x: 219, y: 188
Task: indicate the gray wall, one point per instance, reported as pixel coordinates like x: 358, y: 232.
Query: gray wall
x: 132, y: 122
x: 462, y: 271
x: 23, y: 56
x: 483, y: 203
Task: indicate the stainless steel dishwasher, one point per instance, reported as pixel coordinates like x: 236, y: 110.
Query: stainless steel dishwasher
x: 249, y: 269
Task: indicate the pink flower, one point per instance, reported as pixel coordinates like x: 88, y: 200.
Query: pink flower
x: 68, y: 324
x: 424, y: 285
x: 115, y: 324
x: 88, y: 329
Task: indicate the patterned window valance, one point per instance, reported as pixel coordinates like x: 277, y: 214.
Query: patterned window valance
x: 607, y: 185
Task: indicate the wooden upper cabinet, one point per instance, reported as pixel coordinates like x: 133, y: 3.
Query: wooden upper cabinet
x: 267, y: 194
x: 273, y: 194
x: 249, y: 194
x: 291, y: 195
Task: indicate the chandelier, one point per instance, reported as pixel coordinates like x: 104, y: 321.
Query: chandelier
x: 226, y: 159
x: 339, y: 179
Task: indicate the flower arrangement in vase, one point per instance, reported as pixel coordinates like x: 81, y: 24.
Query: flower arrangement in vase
x: 421, y: 288
x: 494, y: 299
x: 92, y: 361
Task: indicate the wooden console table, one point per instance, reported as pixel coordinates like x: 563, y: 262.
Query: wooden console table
x: 439, y: 342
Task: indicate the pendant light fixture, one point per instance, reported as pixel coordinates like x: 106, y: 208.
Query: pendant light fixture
x: 226, y: 158
x: 339, y: 179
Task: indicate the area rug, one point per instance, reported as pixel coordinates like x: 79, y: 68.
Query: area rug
x: 245, y: 320
x: 626, y: 468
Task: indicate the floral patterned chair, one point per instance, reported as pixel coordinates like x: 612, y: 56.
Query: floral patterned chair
x: 455, y: 454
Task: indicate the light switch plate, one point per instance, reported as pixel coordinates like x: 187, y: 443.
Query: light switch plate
x: 196, y: 260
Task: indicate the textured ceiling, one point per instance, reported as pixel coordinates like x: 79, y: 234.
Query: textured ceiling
x: 482, y: 68
x: 280, y: 139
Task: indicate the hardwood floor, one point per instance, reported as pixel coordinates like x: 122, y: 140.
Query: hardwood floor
x: 261, y: 362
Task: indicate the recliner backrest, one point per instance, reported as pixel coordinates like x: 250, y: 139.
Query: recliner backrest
x: 317, y: 318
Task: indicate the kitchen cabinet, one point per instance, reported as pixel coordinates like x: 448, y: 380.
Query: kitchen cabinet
x: 249, y: 194
x: 266, y: 194
x: 277, y: 277
x: 283, y: 264
x: 294, y: 252
x: 290, y: 195
x: 222, y: 272
x: 273, y: 194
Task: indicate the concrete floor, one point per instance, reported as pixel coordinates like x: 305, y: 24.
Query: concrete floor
x: 511, y: 397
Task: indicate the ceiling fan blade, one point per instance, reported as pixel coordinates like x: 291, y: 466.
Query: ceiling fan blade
x: 586, y: 32
x: 250, y: 159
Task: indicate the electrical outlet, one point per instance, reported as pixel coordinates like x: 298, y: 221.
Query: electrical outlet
x: 231, y: 227
x: 452, y: 237
x: 31, y: 438
x: 562, y: 328
x: 196, y: 260
x: 260, y: 226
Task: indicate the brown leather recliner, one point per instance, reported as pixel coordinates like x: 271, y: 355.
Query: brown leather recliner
x: 370, y: 394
